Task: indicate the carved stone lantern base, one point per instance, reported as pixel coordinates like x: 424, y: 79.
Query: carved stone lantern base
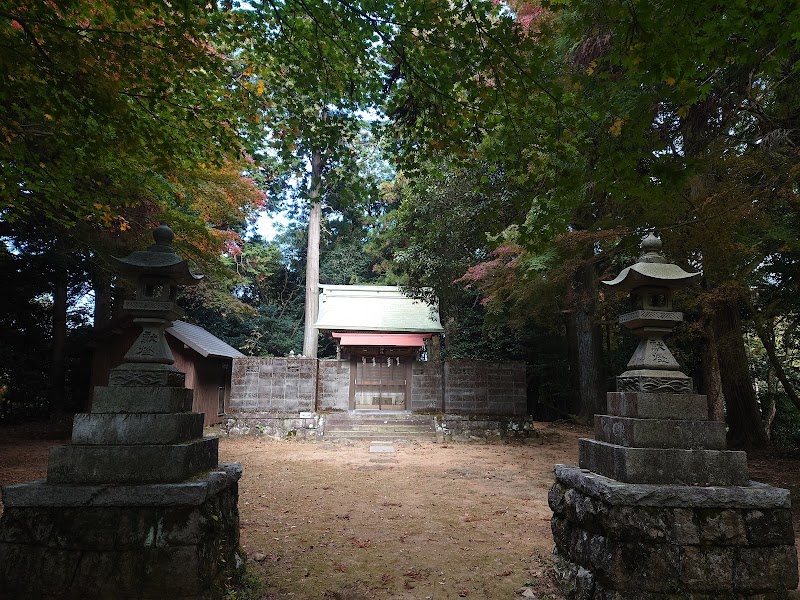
x: 135, y: 506
x: 659, y: 509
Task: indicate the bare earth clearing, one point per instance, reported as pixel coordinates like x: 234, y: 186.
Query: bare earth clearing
x: 332, y: 521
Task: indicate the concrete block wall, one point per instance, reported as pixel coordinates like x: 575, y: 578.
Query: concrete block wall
x: 333, y: 385
x: 284, y: 385
x: 426, y: 387
x: 293, y: 385
x: 484, y: 387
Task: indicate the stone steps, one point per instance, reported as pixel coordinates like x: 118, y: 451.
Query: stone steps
x: 390, y: 426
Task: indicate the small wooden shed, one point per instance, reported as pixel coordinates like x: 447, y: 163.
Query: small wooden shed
x: 204, y: 358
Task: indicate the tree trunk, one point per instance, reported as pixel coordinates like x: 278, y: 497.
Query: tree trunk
x: 58, y: 369
x: 586, y: 339
x: 712, y: 380
x: 103, y: 297
x: 745, y: 427
x: 310, y: 334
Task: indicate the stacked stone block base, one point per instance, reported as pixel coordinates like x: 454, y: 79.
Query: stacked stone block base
x: 298, y: 426
x: 622, y: 541
x: 157, y: 541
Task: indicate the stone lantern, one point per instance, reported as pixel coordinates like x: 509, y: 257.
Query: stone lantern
x: 137, y: 505
x: 658, y: 507
x: 157, y: 272
x: 650, y: 283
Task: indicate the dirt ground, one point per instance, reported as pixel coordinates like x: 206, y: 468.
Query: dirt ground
x: 430, y: 521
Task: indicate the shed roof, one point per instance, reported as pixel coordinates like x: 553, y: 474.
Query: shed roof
x: 201, y: 341
x: 374, y: 308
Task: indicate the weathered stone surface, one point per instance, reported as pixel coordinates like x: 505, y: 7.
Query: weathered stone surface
x: 663, y: 465
x: 642, y: 405
x: 132, y: 464
x: 636, y: 546
x: 136, y: 428
x: 721, y: 527
x: 185, y: 493
x: 141, y: 399
x: 655, y: 382
x: 160, y: 376
x: 707, y: 569
x: 765, y: 568
x: 126, y: 552
x: 754, y: 495
x: 660, y: 433
x: 769, y: 527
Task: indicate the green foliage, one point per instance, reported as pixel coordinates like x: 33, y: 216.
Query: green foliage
x: 266, y: 317
x: 248, y: 586
x: 786, y: 426
x: 103, y: 100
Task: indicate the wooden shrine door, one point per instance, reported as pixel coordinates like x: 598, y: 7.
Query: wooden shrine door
x: 380, y: 382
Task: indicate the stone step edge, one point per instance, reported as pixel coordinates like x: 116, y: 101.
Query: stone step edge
x: 663, y: 465
x: 753, y: 495
x: 193, y: 492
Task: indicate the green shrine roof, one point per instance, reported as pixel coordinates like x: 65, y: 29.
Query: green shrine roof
x: 374, y: 308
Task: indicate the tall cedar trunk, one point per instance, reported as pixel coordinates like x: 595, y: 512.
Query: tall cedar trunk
x: 745, y: 428
x: 712, y: 380
x: 310, y: 335
x: 103, y: 297
x: 58, y: 369
x: 585, y: 341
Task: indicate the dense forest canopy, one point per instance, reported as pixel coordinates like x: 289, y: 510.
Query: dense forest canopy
x: 506, y: 155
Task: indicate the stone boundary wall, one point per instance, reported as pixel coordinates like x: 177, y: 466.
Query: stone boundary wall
x: 305, y: 426
x: 485, y: 388
x: 279, y: 385
x: 333, y: 385
x: 485, y: 429
x: 289, y: 386
x: 426, y: 387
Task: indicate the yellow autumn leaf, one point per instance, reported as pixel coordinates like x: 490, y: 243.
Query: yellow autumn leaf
x: 616, y: 128
x: 683, y: 112
x: 260, y: 87
x: 592, y: 67
x: 670, y: 81
x: 48, y: 117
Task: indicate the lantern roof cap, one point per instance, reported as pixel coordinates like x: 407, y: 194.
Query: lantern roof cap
x: 652, y: 269
x: 159, y: 260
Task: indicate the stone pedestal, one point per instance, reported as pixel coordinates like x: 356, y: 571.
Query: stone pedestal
x: 658, y: 509
x: 154, y: 541
x: 645, y: 542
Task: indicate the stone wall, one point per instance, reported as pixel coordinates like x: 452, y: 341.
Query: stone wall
x: 486, y: 429
x: 276, y: 385
x: 660, y: 542
x: 486, y: 388
x: 333, y: 385
x: 288, y: 386
x: 426, y: 387
x: 303, y: 426
x: 146, y: 542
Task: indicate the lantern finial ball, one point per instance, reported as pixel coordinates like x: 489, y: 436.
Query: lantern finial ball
x: 163, y: 235
x: 651, y: 243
